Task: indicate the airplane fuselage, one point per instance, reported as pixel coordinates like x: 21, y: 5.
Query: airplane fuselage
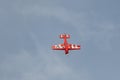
x: 66, y: 45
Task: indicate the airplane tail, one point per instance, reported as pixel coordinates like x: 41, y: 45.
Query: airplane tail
x: 62, y: 36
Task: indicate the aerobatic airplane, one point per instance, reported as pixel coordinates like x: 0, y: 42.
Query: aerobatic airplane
x: 65, y: 46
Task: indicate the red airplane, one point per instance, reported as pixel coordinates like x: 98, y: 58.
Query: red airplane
x: 65, y: 46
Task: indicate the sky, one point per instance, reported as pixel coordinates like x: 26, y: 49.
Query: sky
x: 28, y: 29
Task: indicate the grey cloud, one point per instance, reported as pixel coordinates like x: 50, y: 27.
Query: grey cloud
x: 29, y: 27
x: 24, y: 66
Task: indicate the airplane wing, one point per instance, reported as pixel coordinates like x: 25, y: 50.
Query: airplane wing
x: 74, y: 47
x: 58, y: 47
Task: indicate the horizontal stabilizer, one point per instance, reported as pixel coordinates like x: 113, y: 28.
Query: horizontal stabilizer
x: 64, y: 36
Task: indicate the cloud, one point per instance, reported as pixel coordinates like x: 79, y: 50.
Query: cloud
x: 52, y: 10
x: 2, y: 12
x: 97, y: 36
x: 82, y: 21
x: 42, y: 64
